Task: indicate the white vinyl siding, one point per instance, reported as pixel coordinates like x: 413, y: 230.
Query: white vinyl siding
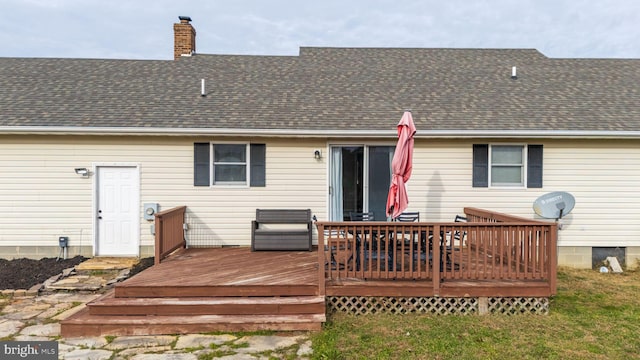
x: 295, y: 180
x: 603, y: 176
x: 41, y: 197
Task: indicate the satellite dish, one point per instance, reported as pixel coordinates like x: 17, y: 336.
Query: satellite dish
x: 554, y: 205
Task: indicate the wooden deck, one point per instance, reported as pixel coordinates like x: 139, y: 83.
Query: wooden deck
x: 239, y: 272
x: 379, y: 266
x: 235, y: 289
x: 463, y: 276
x: 213, y: 289
x: 492, y: 254
x: 450, y: 284
x: 206, y: 272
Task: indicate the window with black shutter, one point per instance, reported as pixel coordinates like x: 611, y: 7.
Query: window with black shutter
x: 258, y: 152
x: 534, y: 166
x: 507, y: 165
x: 201, y: 164
x: 229, y: 164
x: 480, y: 165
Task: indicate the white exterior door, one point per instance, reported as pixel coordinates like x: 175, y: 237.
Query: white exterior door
x: 117, y: 211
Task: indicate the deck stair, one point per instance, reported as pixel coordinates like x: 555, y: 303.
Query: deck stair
x: 152, y: 302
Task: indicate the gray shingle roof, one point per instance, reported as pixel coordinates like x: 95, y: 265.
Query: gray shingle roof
x: 327, y: 89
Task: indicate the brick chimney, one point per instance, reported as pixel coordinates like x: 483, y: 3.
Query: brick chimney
x: 184, y: 38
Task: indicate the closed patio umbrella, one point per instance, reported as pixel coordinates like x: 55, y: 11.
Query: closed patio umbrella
x: 401, y: 166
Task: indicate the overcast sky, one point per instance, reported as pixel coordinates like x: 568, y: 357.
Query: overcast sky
x: 143, y: 29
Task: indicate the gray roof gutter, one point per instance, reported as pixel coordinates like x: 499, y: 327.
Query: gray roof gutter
x: 424, y: 134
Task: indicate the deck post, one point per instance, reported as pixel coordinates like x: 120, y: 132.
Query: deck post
x: 553, y: 258
x: 483, y: 305
x: 321, y: 261
x: 435, y: 261
x: 158, y: 239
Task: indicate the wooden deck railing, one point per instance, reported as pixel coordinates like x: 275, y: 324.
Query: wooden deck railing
x: 527, y: 248
x: 491, y: 246
x: 169, y: 232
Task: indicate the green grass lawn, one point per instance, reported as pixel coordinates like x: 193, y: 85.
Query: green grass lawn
x: 593, y: 316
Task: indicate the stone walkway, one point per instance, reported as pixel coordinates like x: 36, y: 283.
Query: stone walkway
x: 35, y: 315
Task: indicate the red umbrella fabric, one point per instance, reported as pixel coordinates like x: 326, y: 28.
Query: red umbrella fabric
x: 401, y: 166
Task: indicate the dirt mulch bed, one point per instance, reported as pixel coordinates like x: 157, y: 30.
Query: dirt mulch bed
x: 143, y: 264
x: 25, y: 273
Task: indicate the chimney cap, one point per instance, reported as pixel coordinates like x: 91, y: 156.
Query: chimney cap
x: 184, y: 18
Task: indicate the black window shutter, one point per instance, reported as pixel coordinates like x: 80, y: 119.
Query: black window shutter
x: 480, y: 165
x: 258, y: 152
x: 534, y: 166
x: 201, y: 164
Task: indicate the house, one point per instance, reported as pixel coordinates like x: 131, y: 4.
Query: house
x: 87, y: 146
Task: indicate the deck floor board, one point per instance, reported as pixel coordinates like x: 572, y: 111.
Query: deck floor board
x: 202, y: 267
x: 235, y: 289
x: 237, y: 271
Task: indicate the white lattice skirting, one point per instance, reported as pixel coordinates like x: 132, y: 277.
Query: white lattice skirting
x: 363, y: 305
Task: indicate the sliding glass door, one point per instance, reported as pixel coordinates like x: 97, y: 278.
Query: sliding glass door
x: 360, y: 177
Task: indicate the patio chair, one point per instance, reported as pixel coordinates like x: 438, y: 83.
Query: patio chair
x: 453, y: 238
x: 362, y: 216
x: 411, y: 243
x: 457, y: 235
x: 408, y: 217
x: 447, y: 247
x: 338, y: 251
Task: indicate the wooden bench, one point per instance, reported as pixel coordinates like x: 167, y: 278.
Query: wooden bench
x: 277, y: 237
